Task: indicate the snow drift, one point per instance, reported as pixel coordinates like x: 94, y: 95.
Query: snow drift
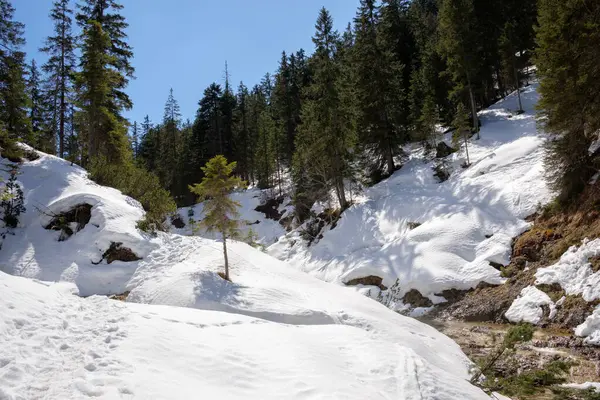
x: 52, y: 185
x: 466, y: 222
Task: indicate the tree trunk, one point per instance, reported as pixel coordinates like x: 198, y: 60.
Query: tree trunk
x: 516, y: 72
x: 467, y: 149
x: 390, y: 160
x: 225, y: 256
x: 63, y: 89
x: 473, y: 106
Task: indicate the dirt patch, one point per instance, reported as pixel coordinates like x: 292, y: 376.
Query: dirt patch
x: 479, y: 340
x: 271, y: 208
x: 70, y: 222
x: 416, y: 299
x: 371, y: 280
x: 116, y: 252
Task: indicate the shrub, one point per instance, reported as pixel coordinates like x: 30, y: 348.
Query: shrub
x: 140, y: 184
x: 12, y: 203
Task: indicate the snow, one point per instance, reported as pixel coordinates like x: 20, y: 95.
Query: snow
x: 583, y: 386
x: 267, y: 230
x: 273, y: 333
x: 590, y: 328
x: 52, y: 185
x: 574, y: 272
x: 528, y: 306
x: 466, y: 222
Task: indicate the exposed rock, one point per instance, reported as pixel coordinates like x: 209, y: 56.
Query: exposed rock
x: 413, y: 225
x: 177, y: 222
x: 70, y: 222
x: 443, y: 150
x: 119, y: 297
x: 371, y: 280
x: 441, y: 173
x: 271, y: 208
x: 116, y: 252
x: 416, y: 299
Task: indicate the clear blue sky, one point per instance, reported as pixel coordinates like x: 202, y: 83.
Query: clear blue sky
x: 183, y: 44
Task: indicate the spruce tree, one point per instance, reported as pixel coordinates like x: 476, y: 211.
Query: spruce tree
x: 227, y: 107
x: 567, y: 57
x: 379, y: 89
x: 60, y: 67
x: 220, y: 211
x: 13, y: 97
x: 243, y: 147
x: 37, y: 112
x: 170, y: 144
x: 99, y: 119
x: 458, y: 43
x: 325, y: 138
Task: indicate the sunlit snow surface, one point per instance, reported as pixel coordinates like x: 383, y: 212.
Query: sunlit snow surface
x: 466, y: 222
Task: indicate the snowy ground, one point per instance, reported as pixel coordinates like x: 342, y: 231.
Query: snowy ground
x: 273, y: 333
x: 466, y: 222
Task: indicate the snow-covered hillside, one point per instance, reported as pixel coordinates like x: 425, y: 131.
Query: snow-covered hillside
x: 273, y: 333
x: 465, y: 223
x: 52, y: 185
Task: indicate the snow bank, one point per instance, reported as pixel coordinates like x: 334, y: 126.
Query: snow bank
x: 466, y: 222
x: 274, y: 333
x: 574, y: 272
x: 528, y: 306
x: 590, y: 328
x: 583, y: 386
x: 52, y: 185
x: 267, y: 231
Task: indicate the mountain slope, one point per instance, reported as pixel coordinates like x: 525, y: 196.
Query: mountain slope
x: 463, y: 224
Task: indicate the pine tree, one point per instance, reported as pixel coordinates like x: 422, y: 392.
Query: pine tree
x: 97, y: 83
x: 13, y: 97
x: 379, y: 88
x: 105, y: 71
x: 568, y: 41
x: 325, y: 137
x: 170, y: 144
x: 243, y: 147
x: 220, y: 211
x: 37, y: 112
x: 227, y: 107
x: 60, y: 67
x: 458, y: 43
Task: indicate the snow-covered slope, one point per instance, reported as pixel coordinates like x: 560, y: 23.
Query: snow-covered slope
x: 466, y: 222
x: 52, y: 185
x: 274, y: 333
x: 267, y: 231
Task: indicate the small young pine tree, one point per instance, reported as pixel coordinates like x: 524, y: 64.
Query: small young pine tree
x: 220, y: 211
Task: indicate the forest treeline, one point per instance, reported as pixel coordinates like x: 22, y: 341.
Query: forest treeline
x: 327, y: 120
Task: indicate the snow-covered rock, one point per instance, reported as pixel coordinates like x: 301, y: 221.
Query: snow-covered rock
x: 528, y: 306
x: 52, y: 185
x: 574, y: 272
x: 273, y: 333
x: 465, y: 223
